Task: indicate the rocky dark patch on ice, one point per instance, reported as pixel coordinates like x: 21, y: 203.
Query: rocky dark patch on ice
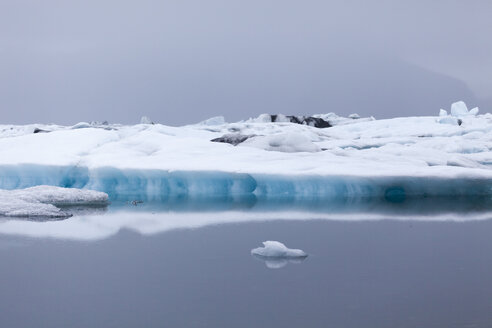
x: 37, y: 130
x: 317, y: 122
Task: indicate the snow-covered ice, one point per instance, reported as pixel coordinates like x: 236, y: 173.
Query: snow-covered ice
x: 277, y: 249
x: 42, y: 201
x: 283, y: 142
x: 354, y: 157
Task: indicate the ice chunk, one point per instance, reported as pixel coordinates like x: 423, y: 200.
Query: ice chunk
x: 459, y: 109
x: 40, y: 201
x: 59, y: 196
x: 146, y: 120
x: 473, y: 111
x: 217, y: 120
x: 275, y: 249
x: 12, y: 207
x: 283, y: 142
x: 458, y: 112
x: 276, y: 255
x: 81, y: 125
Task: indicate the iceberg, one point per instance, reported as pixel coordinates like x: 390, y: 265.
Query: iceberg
x: 45, y: 201
x: 275, y: 249
x: 390, y: 159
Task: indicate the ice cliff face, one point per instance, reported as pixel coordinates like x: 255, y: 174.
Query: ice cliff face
x: 393, y: 158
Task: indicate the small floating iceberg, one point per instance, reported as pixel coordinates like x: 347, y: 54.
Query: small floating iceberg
x: 278, y: 250
x: 42, y: 201
x: 276, y: 255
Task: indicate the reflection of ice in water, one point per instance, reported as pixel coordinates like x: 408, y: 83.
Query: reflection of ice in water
x: 277, y: 263
x: 98, y: 227
x: 276, y: 255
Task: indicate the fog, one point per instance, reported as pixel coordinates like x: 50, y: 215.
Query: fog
x: 180, y: 62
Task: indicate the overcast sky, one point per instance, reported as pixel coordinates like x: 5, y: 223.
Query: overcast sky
x: 183, y: 61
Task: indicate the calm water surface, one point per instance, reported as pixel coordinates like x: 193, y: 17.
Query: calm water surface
x: 379, y: 273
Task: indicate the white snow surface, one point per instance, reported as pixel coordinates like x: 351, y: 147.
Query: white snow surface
x: 283, y: 142
x: 416, y: 147
x: 41, y: 201
x: 277, y: 249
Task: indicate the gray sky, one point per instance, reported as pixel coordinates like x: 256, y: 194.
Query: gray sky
x: 183, y: 61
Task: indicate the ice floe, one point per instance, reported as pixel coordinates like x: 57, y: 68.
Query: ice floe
x: 45, y: 201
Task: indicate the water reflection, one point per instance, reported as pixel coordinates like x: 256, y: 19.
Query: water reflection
x: 369, y: 270
x: 421, y: 206
x: 278, y: 262
x: 416, y: 205
x: 145, y: 222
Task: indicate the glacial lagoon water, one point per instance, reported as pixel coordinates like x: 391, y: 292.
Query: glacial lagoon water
x: 422, y: 263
